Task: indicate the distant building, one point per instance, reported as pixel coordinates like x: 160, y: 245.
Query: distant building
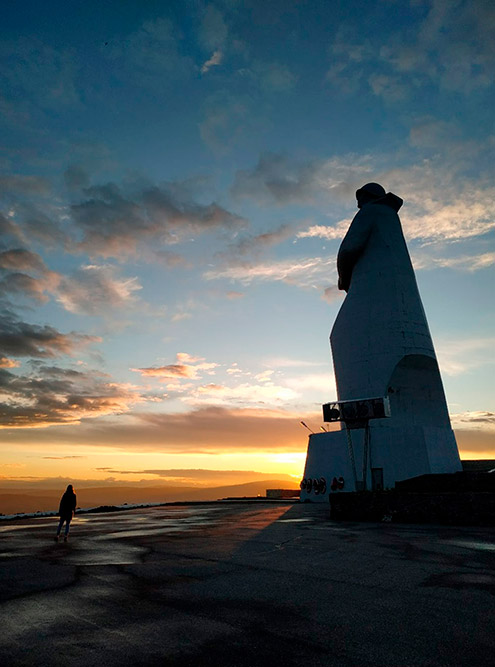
x: 280, y: 494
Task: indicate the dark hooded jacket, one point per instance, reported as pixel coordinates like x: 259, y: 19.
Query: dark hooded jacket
x: 67, y: 505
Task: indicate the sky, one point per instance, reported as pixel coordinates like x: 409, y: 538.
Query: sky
x: 175, y: 180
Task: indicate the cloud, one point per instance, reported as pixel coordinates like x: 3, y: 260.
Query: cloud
x: 476, y: 420
x: 22, y: 184
x: 167, y: 372
x: 331, y: 294
x: 329, y: 233
x: 389, y: 87
x: 94, y: 289
x: 43, y: 222
x: 244, y: 394
x: 282, y: 362
x: 213, y: 31
x: 76, y: 177
x: 277, y: 178
x: 9, y: 229
x: 14, y: 263
x: 151, y: 56
x: 201, y: 476
x: 178, y: 317
x: 274, y: 77
x: 308, y: 272
x: 215, y: 60
x: 62, y: 458
x: 442, y: 200
x: 21, y: 259
x: 322, y: 382
x: 171, y: 260
x: 115, y: 223
x: 230, y: 120
x: 35, y: 75
x: 20, y: 339
x: 470, y: 263
x: 53, y: 395
x: 234, y: 295
x: 449, y: 47
x: 211, y: 430
x: 256, y: 244
x: 5, y: 362
x: 463, y: 355
x: 186, y: 367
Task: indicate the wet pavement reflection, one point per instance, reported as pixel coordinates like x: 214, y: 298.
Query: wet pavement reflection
x: 244, y: 584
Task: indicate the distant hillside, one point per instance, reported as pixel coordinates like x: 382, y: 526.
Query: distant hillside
x: 27, y: 500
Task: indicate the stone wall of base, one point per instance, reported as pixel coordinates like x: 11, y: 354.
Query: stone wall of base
x: 454, y: 509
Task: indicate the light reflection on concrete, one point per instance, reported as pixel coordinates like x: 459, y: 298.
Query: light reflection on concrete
x: 481, y: 546
x: 30, y: 527
x: 195, y: 586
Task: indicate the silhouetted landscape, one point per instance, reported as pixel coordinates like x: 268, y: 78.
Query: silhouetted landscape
x: 45, y: 500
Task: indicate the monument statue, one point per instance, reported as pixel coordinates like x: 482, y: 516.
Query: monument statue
x: 382, y: 347
x: 381, y: 344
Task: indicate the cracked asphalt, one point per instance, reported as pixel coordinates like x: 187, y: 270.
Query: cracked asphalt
x: 244, y: 584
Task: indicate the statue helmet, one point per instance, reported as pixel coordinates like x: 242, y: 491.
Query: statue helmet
x: 373, y: 189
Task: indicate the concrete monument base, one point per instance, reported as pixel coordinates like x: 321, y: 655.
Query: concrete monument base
x: 429, y: 450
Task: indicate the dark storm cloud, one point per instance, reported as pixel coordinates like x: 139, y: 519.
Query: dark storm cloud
x: 20, y: 339
x: 52, y: 395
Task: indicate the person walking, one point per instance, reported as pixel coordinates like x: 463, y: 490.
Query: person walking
x: 66, y: 511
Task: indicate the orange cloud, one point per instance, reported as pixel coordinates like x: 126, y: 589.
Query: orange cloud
x: 186, y: 366
x: 170, y: 371
x: 209, y: 430
x: 5, y: 362
x: 53, y: 395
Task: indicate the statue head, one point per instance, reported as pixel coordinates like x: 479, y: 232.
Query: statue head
x: 369, y: 192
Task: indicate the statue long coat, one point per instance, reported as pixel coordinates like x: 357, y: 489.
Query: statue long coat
x: 381, y: 343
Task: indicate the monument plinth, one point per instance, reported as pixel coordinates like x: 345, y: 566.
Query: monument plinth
x: 382, y: 347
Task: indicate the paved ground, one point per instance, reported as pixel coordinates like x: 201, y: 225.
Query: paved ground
x: 243, y: 584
